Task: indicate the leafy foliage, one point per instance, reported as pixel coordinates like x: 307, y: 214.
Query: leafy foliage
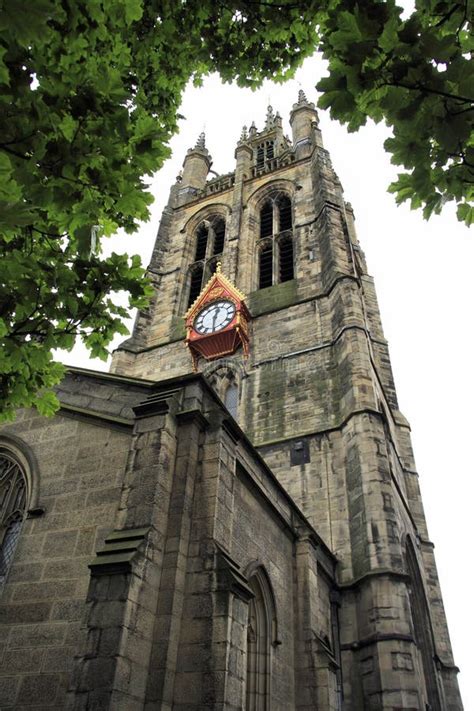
x: 89, y: 97
x: 417, y: 75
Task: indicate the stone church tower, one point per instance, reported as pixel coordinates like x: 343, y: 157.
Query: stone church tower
x: 264, y: 546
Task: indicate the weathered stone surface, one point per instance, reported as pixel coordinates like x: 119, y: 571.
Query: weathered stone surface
x: 168, y: 565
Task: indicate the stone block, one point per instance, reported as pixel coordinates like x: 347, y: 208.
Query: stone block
x: 24, y: 614
x: 38, y: 689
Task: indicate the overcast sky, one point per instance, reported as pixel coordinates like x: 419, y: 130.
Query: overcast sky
x: 423, y: 276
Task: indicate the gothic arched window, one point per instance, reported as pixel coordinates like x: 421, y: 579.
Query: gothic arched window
x: 261, y: 636
x: 209, y: 245
x: 422, y: 627
x: 12, y: 509
x: 231, y: 399
x: 276, y: 248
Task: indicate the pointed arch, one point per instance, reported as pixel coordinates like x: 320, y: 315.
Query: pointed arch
x: 261, y: 637
x: 421, y: 622
x: 18, y: 490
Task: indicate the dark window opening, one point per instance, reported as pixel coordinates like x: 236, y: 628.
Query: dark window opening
x: 201, y: 243
x: 284, y: 208
x: 299, y: 452
x: 266, y: 220
x: 286, y: 260
x: 196, y: 282
x: 260, y: 156
x: 270, y: 149
x: 219, y: 235
x: 266, y: 267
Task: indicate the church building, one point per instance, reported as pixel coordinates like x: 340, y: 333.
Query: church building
x: 230, y: 519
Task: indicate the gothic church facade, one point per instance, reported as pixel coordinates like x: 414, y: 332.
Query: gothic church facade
x: 250, y: 535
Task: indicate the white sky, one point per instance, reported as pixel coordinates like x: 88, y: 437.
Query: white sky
x: 423, y: 276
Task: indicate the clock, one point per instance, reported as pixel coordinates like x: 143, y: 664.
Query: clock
x: 214, y: 317
x: 217, y: 323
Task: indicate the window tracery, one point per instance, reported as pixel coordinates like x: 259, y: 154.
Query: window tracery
x: 12, y: 509
x: 276, y: 249
x: 209, y: 245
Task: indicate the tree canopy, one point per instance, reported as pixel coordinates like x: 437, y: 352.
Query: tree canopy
x: 89, y: 97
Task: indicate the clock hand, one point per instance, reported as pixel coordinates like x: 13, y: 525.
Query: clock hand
x: 216, y: 313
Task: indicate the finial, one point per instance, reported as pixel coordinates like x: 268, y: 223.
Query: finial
x: 218, y: 268
x: 179, y: 177
x: 252, y: 129
x: 302, y: 97
x: 201, y: 141
x: 270, y: 117
x: 243, y: 135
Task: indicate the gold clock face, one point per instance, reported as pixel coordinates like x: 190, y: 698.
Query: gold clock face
x: 214, y: 317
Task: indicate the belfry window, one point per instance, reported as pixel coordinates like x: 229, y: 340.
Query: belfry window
x: 12, y: 509
x: 265, y: 151
x: 209, y: 245
x: 276, y: 249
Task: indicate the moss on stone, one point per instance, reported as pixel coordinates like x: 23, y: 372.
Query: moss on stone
x: 273, y: 298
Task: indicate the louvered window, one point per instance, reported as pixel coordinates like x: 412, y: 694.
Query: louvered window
x: 266, y: 220
x: 209, y: 245
x: 201, y: 243
x: 219, y: 235
x: 286, y: 259
x: 284, y: 209
x: 266, y: 266
x: 196, y: 283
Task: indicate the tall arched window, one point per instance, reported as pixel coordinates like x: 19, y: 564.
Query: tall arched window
x: 12, y: 509
x: 231, y: 400
x: 276, y: 249
x: 422, y: 627
x: 261, y: 636
x: 209, y: 245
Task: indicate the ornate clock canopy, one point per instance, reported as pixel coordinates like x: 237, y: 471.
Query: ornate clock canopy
x: 217, y: 322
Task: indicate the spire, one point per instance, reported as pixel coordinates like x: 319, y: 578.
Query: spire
x: 201, y: 141
x: 253, y: 129
x: 270, y: 118
x: 302, y: 97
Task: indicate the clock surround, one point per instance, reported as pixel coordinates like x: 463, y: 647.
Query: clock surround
x: 217, y: 323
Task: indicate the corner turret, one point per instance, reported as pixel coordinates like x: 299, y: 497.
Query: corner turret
x: 304, y: 122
